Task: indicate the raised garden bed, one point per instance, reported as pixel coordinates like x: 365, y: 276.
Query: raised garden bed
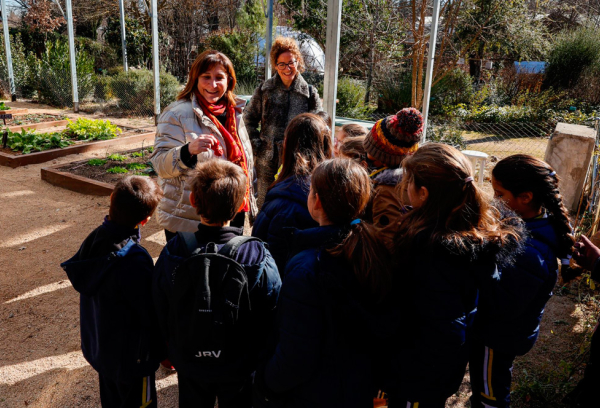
x: 31, y: 119
x: 15, y: 111
x: 10, y: 157
x: 99, y: 176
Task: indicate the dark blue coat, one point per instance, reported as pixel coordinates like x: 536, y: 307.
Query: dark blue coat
x: 437, y: 294
x: 512, y: 301
x: 324, y: 349
x: 120, y: 337
x: 264, y: 284
x: 284, y: 207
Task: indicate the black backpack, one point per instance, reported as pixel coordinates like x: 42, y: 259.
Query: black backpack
x: 210, y: 303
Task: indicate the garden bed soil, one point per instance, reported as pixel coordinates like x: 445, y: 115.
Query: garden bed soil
x: 130, y: 135
x: 32, y: 118
x: 85, y: 178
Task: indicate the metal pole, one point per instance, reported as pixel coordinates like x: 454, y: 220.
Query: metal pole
x: 269, y: 40
x: 123, y: 40
x: 72, y: 57
x: 332, y: 56
x: 430, y: 64
x: 11, y: 76
x: 155, y: 61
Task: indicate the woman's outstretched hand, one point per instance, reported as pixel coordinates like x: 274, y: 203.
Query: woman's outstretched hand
x: 202, y: 144
x: 586, y: 253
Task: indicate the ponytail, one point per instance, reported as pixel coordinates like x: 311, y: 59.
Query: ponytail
x: 369, y: 259
x: 521, y: 173
x: 344, y: 189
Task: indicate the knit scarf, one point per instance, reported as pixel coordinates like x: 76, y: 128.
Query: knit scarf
x: 235, y: 150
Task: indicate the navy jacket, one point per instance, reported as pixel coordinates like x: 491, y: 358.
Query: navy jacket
x: 264, y: 284
x: 512, y: 301
x: 285, y: 206
x: 437, y: 294
x: 324, y: 349
x: 120, y: 337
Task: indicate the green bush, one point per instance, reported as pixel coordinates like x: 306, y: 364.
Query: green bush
x: 135, y: 90
x: 447, y: 133
x: 103, y: 87
x: 139, y: 41
x: 394, y: 92
x: 237, y: 45
x: 351, y: 99
x: 453, y: 89
x: 571, y: 54
x: 104, y: 55
x: 22, y: 70
x: 54, y: 75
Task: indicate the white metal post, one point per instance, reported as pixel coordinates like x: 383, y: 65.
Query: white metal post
x: 72, y: 57
x: 11, y: 76
x: 155, y: 61
x: 123, y: 40
x: 430, y: 64
x: 332, y: 56
x: 269, y: 40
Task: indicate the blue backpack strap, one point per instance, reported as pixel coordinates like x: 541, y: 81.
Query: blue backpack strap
x: 231, y: 247
x: 190, y: 241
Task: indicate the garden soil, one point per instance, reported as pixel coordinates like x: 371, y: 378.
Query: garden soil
x: 41, y: 364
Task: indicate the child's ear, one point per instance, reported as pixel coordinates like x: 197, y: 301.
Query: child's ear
x: 423, y: 193
x: 318, y: 203
x: 144, y: 222
x: 192, y: 201
x: 526, y: 197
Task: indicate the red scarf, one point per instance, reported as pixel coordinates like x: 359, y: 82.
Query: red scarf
x: 235, y: 150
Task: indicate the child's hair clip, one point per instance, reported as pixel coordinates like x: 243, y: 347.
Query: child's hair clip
x: 469, y: 179
x: 356, y: 221
x: 552, y: 174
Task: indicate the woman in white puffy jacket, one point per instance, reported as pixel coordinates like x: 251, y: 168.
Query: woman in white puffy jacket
x: 204, y: 122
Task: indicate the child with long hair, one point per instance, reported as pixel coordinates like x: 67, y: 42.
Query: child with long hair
x: 452, y: 235
x: 512, y: 302
x: 307, y: 142
x: 330, y: 302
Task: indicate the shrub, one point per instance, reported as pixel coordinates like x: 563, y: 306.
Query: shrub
x: 351, y: 99
x: 54, y: 75
x: 24, y: 80
x: 139, y: 41
x: 135, y: 90
x: 237, y: 45
x: 103, y: 87
x: 104, y: 55
x: 453, y: 89
x: 395, y: 92
x: 447, y: 133
x: 572, y: 53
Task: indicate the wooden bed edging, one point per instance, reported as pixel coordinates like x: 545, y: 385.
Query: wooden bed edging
x: 13, y: 160
x: 76, y: 183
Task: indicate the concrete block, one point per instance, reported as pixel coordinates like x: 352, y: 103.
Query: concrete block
x: 569, y: 152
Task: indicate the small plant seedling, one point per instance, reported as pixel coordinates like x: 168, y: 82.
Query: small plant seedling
x: 117, y: 157
x: 136, y: 166
x: 4, y: 107
x: 117, y: 170
x: 97, y: 162
x: 137, y: 154
x: 150, y: 149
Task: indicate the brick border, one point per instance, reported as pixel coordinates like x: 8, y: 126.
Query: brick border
x: 14, y: 161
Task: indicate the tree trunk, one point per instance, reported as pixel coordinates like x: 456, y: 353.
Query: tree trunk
x: 371, y: 65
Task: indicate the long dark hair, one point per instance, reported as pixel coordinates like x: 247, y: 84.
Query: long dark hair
x: 522, y: 173
x: 307, y: 142
x: 203, y: 63
x: 344, y: 188
x: 456, y: 211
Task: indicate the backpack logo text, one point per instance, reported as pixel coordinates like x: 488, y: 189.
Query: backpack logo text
x: 208, y: 354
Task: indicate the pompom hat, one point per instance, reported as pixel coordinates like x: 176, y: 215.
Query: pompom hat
x: 395, y: 137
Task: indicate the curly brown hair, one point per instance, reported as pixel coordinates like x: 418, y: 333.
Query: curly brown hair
x: 285, y: 44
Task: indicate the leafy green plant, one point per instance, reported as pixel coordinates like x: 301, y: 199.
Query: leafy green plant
x: 446, y: 133
x: 137, y: 154
x: 28, y: 141
x: 117, y: 170
x: 136, y: 166
x: 135, y: 90
x: 117, y: 157
x: 351, y: 97
x: 96, y: 162
x: 91, y: 129
x: 4, y: 107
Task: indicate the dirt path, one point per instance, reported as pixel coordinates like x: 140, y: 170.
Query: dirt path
x: 40, y: 356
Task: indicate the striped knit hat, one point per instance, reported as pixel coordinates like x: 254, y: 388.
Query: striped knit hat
x: 395, y: 137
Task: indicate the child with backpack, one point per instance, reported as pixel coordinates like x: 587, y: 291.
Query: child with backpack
x: 307, y: 142
x: 120, y: 337
x: 215, y: 293
x: 390, y: 141
x: 330, y: 303
x: 451, y: 236
x: 511, y: 303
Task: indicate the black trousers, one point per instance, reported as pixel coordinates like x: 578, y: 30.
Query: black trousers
x: 195, y: 394
x: 140, y: 393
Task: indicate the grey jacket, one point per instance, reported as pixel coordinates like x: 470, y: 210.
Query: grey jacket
x: 273, y: 106
x: 180, y: 123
